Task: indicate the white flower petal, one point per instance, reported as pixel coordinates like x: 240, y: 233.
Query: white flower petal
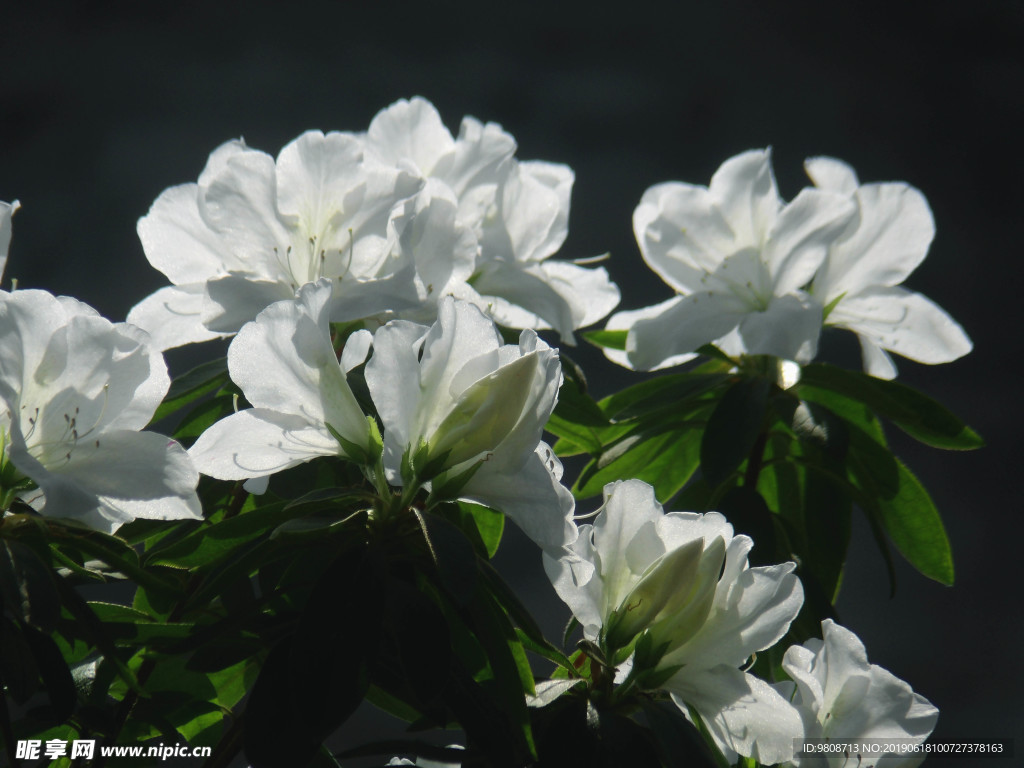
x: 315, y: 174
x: 842, y: 697
x: 801, y: 235
x: 535, y: 208
x: 745, y: 192
x: 894, y: 232
x: 682, y: 234
x: 178, y: 241
x: 532, y: 495
x: 173, y: 316
x: 410, y: 131
x: 788, y: 328
x: 257, y: 442
x: 6, y: 211
x: 623, y: 321
x: 232, y: 300
x: 520, y: 287
x: 682, y: 326
x: 121, y: 475
x: 743, y: 713
x: 284, y: 362
x: 832, y: 175
x: 903, y: 322
x: 877, y: 362
x: 482, y: 155
x: 749, y: 615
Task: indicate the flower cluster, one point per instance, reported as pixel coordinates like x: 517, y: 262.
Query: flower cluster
x: 756, y: 275
x: 369, y: 281
x: 396, y: 218
x: 671, y: 601
x: 460, y: 411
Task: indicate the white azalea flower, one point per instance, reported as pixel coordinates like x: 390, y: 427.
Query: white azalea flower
x: 287, y: 368
x: 76, y: 389
x: 881, y: 246
x: 6, y: 211
x: 253, y: 230
x: 684, y: 578
x: 453, y: 399
x: 739, y: 258
x: 843, y: 698
x: 517, y: 211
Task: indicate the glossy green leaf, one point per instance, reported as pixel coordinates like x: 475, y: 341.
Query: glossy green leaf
x: 913, y: 524
x: 607, y: 339
x: 658, y: 395
x: 191, y: 386
x: 209, y: 543
x: 665, y: 458
x: 920, y: 416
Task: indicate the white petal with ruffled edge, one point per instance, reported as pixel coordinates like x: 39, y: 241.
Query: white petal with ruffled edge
x: 744, y: 714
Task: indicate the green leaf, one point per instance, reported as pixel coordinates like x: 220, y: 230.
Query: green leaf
x: 453, y: 558
x: 679, y: 743
x: 17, y: 670
x: 662, y: 394
x: 27, y: 586
x: 489, y: 525
x: 748, y: 513
x: 512, y: 674
x: 53, y: 670
x: 506, y: 597
x: 420, y: 636
x: 209, y: 543
x: 733, y: 429
x: 577, y: 418
x: 201, y: 418
x: 607, y: 339
x: 192, y: 385
x: 827, y: 514
x: 666, y: 458
x: 913, y: 523
x: 117, y: 554
x: 921, y: 417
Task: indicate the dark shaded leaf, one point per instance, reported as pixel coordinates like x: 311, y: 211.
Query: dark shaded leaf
x: 17, y: 667
x: 454, y: 558
x: 733, y: 428
x: 679, y: 743
x: 748, y: 513
x: 27, y: 586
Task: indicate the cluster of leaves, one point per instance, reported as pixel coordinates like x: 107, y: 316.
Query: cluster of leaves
x: 785, y: 452
x: 262, y: 628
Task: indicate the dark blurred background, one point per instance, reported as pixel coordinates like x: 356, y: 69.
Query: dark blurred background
x: 103, y: 105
